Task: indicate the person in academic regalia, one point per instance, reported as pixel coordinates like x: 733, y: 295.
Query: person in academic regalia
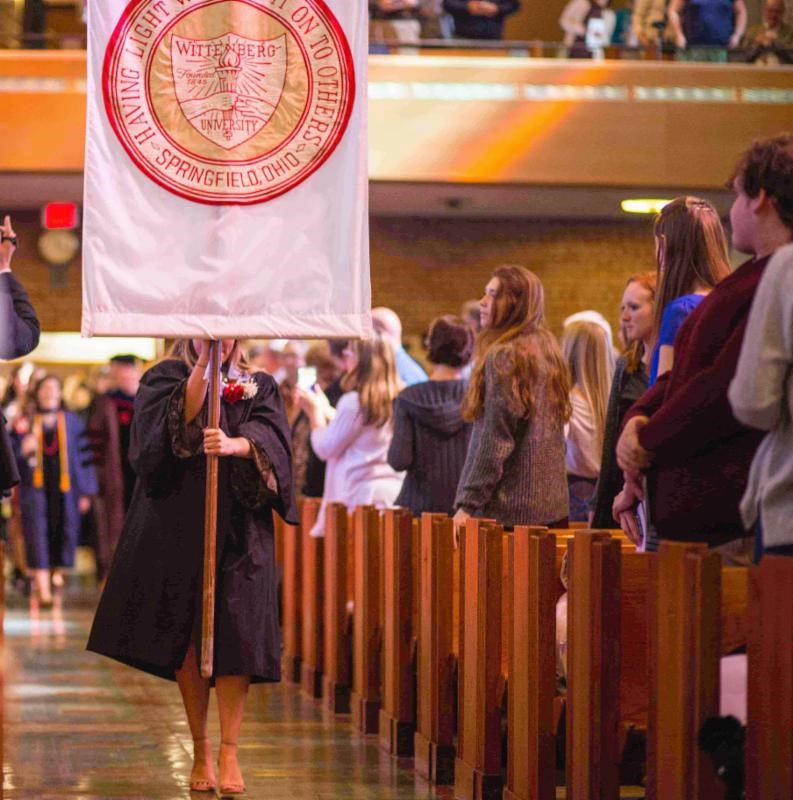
x: 109, y: 424
x: 56, y: 485
x: 149, y: 615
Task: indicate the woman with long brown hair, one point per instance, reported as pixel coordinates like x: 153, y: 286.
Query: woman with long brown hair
x: 149, y: 615
x: 691, y: 251
x: 354, y: 437
x: 637, y: 312
x: 518, y: 401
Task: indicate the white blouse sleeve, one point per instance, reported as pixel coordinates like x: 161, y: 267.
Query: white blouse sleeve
x: 341, y: 432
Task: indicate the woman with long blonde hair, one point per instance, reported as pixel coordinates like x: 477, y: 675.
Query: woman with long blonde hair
x: 149, y: 615
x: 353, y: 439
x: 590, y: 359
x: 518, y: 401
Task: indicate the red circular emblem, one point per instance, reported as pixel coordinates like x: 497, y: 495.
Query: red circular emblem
x: 228, y: 101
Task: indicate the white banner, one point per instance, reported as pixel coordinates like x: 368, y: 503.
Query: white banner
x: 226, y: 176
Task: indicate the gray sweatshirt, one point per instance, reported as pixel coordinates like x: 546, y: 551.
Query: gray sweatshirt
x: 761, y: 395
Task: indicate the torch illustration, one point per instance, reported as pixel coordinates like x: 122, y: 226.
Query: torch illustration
x: 228, y: 71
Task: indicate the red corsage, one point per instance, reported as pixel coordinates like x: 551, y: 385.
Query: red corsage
x: 233, y: 393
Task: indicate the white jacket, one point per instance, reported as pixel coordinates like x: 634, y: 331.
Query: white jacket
x: 357, y: 470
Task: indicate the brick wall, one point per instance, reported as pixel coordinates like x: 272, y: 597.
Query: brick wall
x: 54, y: 292
x: 426, y: 267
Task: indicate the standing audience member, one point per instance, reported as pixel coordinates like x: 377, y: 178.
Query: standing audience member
x: 19, y: 334
x: 300, y: 432
x: 623, y: 26
x: 109, y: 425
x: 389, y: 327
x: 19, y: 325
x: 590, y: 359
x: 471, y: 314
x: 691, y: 252
x: 56, y: 487
x: 649, y: 21
x: 761, y: 395
x: 703, y: 29
x: 518, y: 401
x: 402, y: 20
x: 480, y: 19
x: 584, y: 23
x: 267, y: 356
x: 682, y: 431
x: 354, y: 437
x: 149, y: 615
x: 589, y: 315
x: 770, y: 42
x: 430, y: 439
x: 331, y: 365
x: 627, y: 386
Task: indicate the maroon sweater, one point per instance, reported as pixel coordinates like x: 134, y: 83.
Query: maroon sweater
x: 702, y: 453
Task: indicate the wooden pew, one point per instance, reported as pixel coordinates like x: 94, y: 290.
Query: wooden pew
x: 531, y: 728
x: 684, y: 670
x: 477, y: 771
x: 593, y: 667
x: 397, y: 722
x: 769, y: 735
x: 654, y: 665
x: 435, y: 680
x: 366, y: 695
x: 337, y: 647
x: 313, y: 590
x: 292, y: 587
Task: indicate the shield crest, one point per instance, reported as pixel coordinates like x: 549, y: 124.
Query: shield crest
x: 229, y: 87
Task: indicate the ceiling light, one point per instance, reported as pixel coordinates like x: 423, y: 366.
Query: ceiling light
x: 643, y: 206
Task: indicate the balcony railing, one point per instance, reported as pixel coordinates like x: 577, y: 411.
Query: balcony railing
x: 663, y: 51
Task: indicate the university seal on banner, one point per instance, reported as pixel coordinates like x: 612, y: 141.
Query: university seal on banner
x: 228, y: 101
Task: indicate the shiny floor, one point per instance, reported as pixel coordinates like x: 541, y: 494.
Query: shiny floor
x: 82, y: 727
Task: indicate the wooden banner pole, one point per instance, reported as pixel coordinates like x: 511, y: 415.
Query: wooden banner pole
x: 211, y: 521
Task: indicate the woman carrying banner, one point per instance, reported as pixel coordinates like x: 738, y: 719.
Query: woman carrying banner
x: 149, y: 615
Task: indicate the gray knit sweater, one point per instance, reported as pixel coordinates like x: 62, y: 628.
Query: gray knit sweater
x: 515, y: 471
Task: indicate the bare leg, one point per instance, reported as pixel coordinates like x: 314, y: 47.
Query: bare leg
x: 195, y: 696
x: 231, y: 693
x: 41, y: 579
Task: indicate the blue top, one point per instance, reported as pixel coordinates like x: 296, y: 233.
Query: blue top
x: 409, y: 370
x: 708, y: 22
x: 673, y: 317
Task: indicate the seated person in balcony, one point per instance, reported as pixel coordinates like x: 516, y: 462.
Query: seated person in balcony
x: 480, y: 19
x: 771, y: 42
x: 585, y: 24
x: 648, y: 21
x: 705, y: 29
x: 400, y: 20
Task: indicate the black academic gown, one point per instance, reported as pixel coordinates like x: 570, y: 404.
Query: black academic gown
x: 151, y: 605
